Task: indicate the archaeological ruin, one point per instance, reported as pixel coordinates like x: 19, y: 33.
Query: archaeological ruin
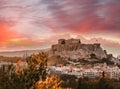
x: 75, y: 49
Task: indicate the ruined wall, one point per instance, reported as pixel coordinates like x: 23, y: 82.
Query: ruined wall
x: 74, y: 49
x: 69, y: 41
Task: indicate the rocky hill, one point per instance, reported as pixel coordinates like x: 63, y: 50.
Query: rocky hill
x: 74, y: 49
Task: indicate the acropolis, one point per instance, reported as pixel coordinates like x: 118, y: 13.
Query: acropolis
x: 75, y: 49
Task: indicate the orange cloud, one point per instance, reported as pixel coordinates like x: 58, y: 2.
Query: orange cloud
x: 6, y: 34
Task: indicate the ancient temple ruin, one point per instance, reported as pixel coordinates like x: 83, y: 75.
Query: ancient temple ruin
x: 73, y: 48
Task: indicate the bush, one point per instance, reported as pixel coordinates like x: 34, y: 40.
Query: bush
x: 16, y: 77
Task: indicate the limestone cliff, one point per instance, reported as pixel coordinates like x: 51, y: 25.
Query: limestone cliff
x: 74, y: 49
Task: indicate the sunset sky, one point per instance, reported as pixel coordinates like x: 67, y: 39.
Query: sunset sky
x: 36, y: 24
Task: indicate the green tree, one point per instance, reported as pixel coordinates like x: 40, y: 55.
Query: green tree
x: 16, y: 77
x: 101, y: 83
x: 68, y: 81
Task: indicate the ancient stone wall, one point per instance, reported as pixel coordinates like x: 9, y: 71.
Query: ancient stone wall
x: 73, y: 48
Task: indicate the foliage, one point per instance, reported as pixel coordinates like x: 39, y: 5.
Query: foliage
x: 15, y: 77
x: 68, y: 81
x: 101, y: 83
x: 32, y: 77
x: 93, y: 55
x: 52, y: 82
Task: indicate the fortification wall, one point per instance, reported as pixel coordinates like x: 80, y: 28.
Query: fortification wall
x: 73, y: 48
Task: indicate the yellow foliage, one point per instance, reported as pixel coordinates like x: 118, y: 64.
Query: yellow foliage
x: 35, y: 60
x: 52, y: 82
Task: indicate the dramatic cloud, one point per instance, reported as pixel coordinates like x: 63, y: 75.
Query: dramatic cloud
x: 6, y: 34
x: 38, y: 22
x: 85, y: 15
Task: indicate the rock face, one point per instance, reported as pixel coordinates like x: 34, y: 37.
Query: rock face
x: 74, y: 49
